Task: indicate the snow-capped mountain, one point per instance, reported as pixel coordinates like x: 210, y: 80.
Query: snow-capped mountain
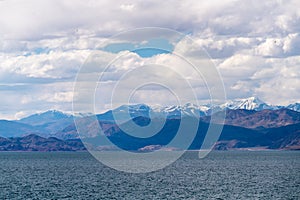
x: 81, y: 115
x: 294, y: 106
x: 155, y: 111
x: 49, y: 122
x: 189, y: 109
x: 60, y: 124
x: 121, y: 113
x: 251, y: 103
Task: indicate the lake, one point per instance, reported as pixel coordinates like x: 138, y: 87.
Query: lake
x: 220, y: 175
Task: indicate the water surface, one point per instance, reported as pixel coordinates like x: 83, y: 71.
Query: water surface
x: 221, y: 175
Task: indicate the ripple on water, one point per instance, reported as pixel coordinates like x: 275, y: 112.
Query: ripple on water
x: 221, y: 175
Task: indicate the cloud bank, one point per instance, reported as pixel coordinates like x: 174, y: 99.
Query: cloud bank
x: 255, y: 46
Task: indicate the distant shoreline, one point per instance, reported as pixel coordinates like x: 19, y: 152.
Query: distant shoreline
x: 230, y: 150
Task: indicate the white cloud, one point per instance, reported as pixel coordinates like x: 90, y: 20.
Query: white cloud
x: 43, y: 44
x: 57, y: 97
x: 279, y: 47
x: 127, y: 7
x: 35, y: 20
x: 240, y: 65
x: 55, y: 64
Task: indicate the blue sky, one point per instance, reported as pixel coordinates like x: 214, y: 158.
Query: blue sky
x: 43, y: 44
x: 141, y: 49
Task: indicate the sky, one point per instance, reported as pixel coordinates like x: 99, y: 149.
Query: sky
x: 254, y: 45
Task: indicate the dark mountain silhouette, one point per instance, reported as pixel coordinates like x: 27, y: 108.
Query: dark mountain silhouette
x: 231, y: 137
x: 286, y: 137
x: 258, y: 119
x: 34, y: 142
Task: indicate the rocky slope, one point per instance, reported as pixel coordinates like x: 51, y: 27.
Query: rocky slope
x: 258, y: 119
x: 34, y: 142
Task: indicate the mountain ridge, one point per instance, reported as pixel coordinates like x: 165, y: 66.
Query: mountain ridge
x: 250, y: 103
x: 256, y: 118
x: 59, y: 124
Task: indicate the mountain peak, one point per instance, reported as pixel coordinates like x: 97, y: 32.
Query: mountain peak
x: 48, y: 116
x: 254, y: 99
x: 52, y: 112
x: 250, y: 103
x: 294, y: 107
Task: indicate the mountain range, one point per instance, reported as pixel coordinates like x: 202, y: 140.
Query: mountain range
x: 249, y: 123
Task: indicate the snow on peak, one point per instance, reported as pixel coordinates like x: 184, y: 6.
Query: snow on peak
x: 251, y: 103
x: 294, y: 106
x: 190, y: 109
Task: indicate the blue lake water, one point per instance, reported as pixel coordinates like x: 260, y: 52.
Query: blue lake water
x: 221, y: 175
